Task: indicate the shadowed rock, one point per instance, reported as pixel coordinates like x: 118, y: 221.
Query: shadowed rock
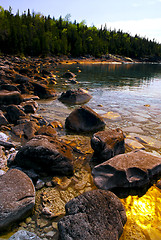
x: 45, y: 155
x: 129, y: 170
x: 10, y: 97
x: 14, y: 113
x: 94, y: 215
x: 75, y: 96
x: 84, y: 119
x: 69, y: 75
x: 17, y: 198
x: 106, y: 144
x: 3, y: 120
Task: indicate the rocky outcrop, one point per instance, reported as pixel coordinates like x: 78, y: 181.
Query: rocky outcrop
x: 129, y: 170
x: 106, y: 144
x: 24, y: 235
x: 95, y: 215
x: 84, y: 119
x: 10, y: 97
x: 45, y: 154
x: 75, y: 96
x: 17, y: 198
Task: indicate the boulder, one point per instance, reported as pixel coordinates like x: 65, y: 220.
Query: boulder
x: 129, y: 170
x: 47, y: 130
x: 69, y: 75
x: 3, y: 120
x: 42, y: 91
x: 17, y: 198
x: 14, y: 113
x: 45, y: 154
x: 84, y: 119
x: 10, y: 97
x: 26, y: 130
x: 24, y: 235
x: 96, y: 215
x: 106, y: 144
x: 75, y: 96
x: 29, y: 106
x: 8, y: 87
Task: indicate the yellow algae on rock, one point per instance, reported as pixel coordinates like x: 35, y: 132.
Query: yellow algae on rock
x: 112, y: 116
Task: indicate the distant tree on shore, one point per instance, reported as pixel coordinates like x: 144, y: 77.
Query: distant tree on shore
x: 35, y: 35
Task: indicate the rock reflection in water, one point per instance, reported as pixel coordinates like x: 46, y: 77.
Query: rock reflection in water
x: 143, y: 216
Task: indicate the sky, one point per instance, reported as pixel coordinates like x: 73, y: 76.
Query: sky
x: 141, y: 17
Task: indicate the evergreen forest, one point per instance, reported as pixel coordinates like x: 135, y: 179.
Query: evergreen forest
x: 37, y: 35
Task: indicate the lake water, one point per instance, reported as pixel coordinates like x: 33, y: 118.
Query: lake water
x: 132, y: 92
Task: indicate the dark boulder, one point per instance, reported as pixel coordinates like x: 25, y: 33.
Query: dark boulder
x: 45, y: 154
x: 17, y: 198
x: 69, y: 75
x: 84, y: 119
x: 94, y: 215
x: 129, y: 170
x: 75, y: 96
x: 10, y: 97
x: 14, y: 113
x: 8, y: 87
x: 106, y: 144
x: 42, y: 91
x: 29, y: 106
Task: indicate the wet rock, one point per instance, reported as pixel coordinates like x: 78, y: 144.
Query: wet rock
x: 24, y: 235
x: 14, y: 113
x: 29, y: 106
x: 39, y: 184
x: 106, y: 144
x: 129, y: 170
x: 69, y: 75
x: 8, y: 87
x: 93, y: 215
x: 75, y: 96
x: 84, y: 119
x: 47, y: 130
x: 132, y: 144
x: 17, y: 198
x: 10, y: 97
x: 45, y: 154
x: 3, y: 120
x: 26, y: 130
x: 133, y: 129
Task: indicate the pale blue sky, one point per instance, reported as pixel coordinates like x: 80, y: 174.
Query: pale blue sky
x: 142, y: 17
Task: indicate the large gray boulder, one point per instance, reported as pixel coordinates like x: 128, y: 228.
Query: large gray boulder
x: 94, y: 215
x: 17, y: 198
x: 84, y: 119
x: 75, y: 96
x: 45, y: 155
x: 129, y: 170
x: 106, y: 144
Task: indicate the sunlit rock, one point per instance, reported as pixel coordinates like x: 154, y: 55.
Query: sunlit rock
x: 17, y: 197
x: 134, y: 169
x: 132, y: 144
x: 93, y: 215
x: 10, y: 97
x: 106, y: 144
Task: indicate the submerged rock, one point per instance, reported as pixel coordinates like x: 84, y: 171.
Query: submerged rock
x: 17, y: 198
x: 75, y: 96
x: 106, y: 144
x: 84, y: 119
x: 129, y: 170
x: 96, y: 215
x: 45, y: 155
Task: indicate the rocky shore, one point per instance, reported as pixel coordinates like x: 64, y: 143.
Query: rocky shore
x: 57, y: 179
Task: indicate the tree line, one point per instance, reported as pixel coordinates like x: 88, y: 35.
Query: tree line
x: 37, y: 35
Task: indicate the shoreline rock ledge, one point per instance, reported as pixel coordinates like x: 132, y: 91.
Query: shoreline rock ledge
x: 94, y: 215
x: 129, y: 170
x: 17, y: 198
